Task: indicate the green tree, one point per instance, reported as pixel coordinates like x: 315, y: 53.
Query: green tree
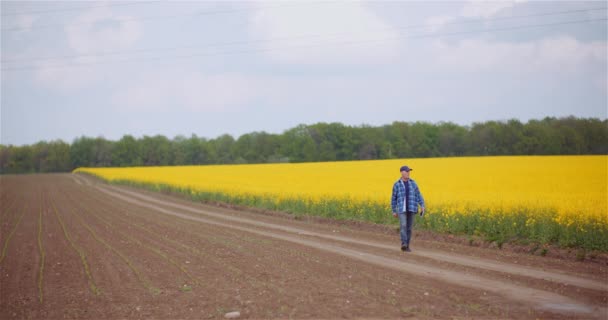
x: 82, y: 152
x: 126, y: 152
x: 156, y: 151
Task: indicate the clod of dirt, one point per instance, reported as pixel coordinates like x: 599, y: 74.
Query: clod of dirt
x: 232, y: 315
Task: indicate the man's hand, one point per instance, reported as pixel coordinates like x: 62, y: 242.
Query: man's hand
x: 422, y: 211
x: 395, y: 214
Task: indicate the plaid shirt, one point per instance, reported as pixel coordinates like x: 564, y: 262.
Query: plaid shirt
x: 398, y: 198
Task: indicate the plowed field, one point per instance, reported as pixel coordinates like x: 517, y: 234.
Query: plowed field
x: 73, y: 247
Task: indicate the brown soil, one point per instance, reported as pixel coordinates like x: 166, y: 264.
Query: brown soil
x: 116, y: 252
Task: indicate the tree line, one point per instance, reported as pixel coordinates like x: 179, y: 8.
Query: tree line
x: 318, y: 142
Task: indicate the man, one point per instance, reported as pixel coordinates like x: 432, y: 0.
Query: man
x: 404, y: 202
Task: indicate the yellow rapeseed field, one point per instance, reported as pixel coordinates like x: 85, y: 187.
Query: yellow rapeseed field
x: 570, y: 191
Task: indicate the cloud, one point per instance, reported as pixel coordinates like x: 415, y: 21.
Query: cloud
x: 175, y: 90
x: 485, y: 8
x: 66, y: 78
x: 474, y: 9
x: 561, y: 54
x: 98, y: 30
x: 18, y: 24
x: 437, y: 22
x: 94, y: 31
x: 308, y: 33
x: 25, y: 22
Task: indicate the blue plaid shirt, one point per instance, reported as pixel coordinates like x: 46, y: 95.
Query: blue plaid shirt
x: 414, y: 197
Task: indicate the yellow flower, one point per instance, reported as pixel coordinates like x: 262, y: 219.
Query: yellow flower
x: 566, y: 189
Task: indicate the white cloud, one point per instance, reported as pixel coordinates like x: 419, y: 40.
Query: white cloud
x: 485, y: 8
x: 474, y: 9
x: 92, y: 32
x: 308, y: 33
x: 65, y: 78
x: 175, y: 90
x: 437, y: 22
x: 559, y: 54
x: 25, y: 22
x: 98, y: 30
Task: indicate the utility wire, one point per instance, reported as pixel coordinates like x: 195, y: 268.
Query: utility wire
x: 230, y: 43
x: 196, y: 14
x: 115, y: 4
x: 312, y: 45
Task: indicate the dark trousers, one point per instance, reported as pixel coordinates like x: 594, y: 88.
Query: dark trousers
x: 406, y: 221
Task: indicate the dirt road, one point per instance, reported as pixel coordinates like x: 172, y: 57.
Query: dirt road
x: 74, y: 247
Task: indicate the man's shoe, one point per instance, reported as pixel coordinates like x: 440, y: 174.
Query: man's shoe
x: 407, y: 249
x: 404, y: 248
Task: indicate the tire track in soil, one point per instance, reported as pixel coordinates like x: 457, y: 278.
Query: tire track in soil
x: 521, y: 278
x: 185, y: 251
x: 467, y: 261
x: 354, y: 278
x: 537, y: 298
x: 266, y: 253
x: 247, y: 254
x: 221, y: 266
x: 591, y: 272
x: 253, y: 283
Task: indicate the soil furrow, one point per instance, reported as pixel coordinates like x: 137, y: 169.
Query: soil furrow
x: 262, y: 264
x: 441, y: 256
x: 541, y: 299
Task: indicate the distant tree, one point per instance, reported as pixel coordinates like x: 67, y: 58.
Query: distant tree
x: 197, y: 150
x: 102, y: 152
x: 257, y: 147
x: 51, y: 156
x: 156, y: 151
x: 22, y: 160
x: 424, y: 139
x: 178, y: 151
x: 318, y: 142
x: 398, y: 137
x: 126, y: 152
x: 5, y: 157
x: 300, y: 146
x: 368, y: 142
x: 451, y: 139
x: 82, y: 152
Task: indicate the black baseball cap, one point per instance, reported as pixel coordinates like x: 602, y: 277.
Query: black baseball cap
x: 405, y: 168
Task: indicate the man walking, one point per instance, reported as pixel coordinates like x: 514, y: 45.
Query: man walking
x: 404, y: 202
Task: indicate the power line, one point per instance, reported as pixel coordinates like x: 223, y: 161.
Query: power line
x: 202, y: 13
x: 116, y: 4
x: 312, y: 46
x: 229, y: 43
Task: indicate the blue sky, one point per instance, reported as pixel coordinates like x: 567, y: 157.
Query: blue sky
x: 207, y: 68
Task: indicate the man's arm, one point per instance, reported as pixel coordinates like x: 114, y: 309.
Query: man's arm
x: 394, y: 201
x: 420, y: 200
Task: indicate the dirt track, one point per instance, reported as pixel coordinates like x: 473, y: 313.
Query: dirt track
x: 76, y: 248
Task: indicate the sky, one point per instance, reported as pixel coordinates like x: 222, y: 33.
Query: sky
x: 208, y: 68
